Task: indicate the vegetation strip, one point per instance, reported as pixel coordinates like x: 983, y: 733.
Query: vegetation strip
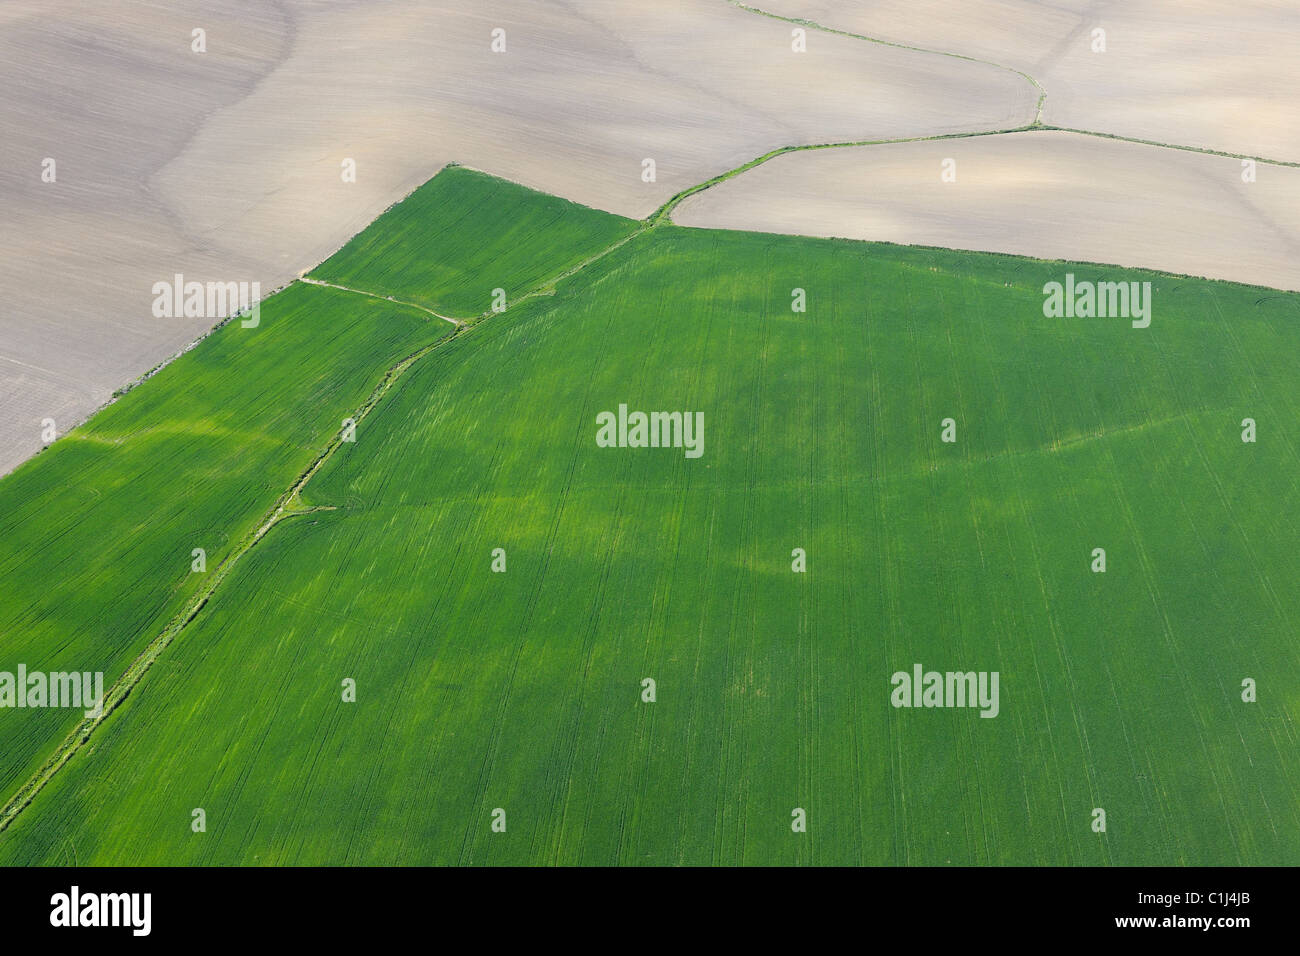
x: 1035, y: 126
x: 664, y: 212
x: 383, y: 298
x: 1042, y: 93
x: 122, y: 687
x: 1186, y: 149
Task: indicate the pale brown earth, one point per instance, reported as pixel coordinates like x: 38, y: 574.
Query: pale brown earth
x: 112, y: 102
x: 226, y: 165
x: 580, y: 98
x: 1208, y: 73
x: 1051, y: 195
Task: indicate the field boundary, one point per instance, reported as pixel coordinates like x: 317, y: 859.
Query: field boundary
x: 1037, y: 125
x: 664, y: 212
x: 382, y: 298
x: 800, y: 21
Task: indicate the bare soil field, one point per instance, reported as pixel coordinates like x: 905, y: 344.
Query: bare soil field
x: 226, y: 165
x: 1204, y: 73
x: 1051, y: 195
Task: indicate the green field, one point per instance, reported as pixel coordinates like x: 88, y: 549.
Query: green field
x: 464, y: 234
x: 97, y: 532
x: 522, y: 690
